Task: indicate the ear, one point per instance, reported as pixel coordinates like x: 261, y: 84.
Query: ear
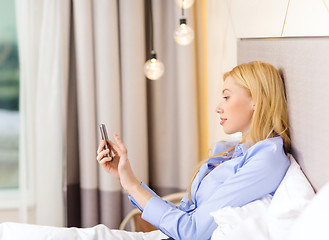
x: 253, y: 105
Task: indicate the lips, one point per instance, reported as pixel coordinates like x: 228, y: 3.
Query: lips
x: 223, y: 120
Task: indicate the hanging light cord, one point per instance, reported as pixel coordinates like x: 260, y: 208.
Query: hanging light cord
x: 151, y: 26
x: 285, y: 18
x: 183, y: 8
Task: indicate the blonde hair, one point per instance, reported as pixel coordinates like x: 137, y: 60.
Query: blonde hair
x: 264, y: 84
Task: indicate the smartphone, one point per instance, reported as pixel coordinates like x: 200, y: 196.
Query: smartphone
x: 103, y: 131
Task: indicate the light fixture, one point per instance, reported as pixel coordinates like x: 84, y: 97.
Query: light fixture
x: 153, y: 68
x: 183, y: 35
x: 185, y: 3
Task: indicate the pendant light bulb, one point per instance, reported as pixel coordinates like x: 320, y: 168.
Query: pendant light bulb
x: 184, y: 3
x: 183, y: 35
x: 153, y: 68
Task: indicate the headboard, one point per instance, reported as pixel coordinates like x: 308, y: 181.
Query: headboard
x: 304, y: 65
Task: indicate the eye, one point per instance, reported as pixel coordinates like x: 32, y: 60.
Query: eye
x: 226, y: 98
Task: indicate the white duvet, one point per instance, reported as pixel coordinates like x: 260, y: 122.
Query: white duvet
x: 18, y: 231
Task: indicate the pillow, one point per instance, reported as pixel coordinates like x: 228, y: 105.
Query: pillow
x: 313, y: 222
x: 230, y: 218
x: 267, y: 219
x: 289, y: 201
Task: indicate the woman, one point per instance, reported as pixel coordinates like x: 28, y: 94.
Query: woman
x: 253, y: 103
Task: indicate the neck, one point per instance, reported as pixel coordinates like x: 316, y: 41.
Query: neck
x: 247, y: 140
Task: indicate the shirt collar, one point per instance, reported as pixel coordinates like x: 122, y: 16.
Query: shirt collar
x: 239, y: 148
x: 242, y: 147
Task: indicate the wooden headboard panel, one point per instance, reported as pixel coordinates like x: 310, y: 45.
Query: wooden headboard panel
x: 304, y: 64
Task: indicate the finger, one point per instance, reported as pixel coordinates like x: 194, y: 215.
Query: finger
x: 105, y: 160
x: 112, y: 146
x: 101, y: 146
x: 116, y: 150
x: 102, y: 154
x: 120, y: 143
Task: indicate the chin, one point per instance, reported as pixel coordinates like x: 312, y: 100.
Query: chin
x: 230, y: 131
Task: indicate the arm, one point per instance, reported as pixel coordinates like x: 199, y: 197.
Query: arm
x: 141, y: 195
x: 135, y: 203
x: 219, y: 147
x: 120, y: 167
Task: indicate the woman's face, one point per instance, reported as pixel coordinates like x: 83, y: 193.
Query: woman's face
x: 236, y: 108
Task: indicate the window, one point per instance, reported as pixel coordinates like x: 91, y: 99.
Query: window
x: 9, y: 99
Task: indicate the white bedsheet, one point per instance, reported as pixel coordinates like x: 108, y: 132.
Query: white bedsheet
x: 19, y: 231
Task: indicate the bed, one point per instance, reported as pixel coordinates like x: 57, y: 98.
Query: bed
x: 298, y: 210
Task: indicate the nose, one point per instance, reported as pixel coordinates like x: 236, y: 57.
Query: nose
x: 219, y: 109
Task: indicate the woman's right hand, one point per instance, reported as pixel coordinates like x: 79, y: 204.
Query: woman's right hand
x: 120, y: 166
x: 110, y: 164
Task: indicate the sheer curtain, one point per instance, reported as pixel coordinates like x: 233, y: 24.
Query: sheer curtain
x: 43, y: 42
x: 82, y: 65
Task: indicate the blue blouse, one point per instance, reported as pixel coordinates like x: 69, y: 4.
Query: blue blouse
x: 249, y: 175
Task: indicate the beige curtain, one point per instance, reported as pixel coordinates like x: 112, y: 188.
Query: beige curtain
x: 104, y: 95
x: 157, y: 120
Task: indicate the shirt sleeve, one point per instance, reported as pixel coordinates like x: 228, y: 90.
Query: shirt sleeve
x: 260, y: 175
x: 134, y: 202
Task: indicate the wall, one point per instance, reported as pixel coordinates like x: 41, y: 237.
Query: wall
x: 232, y: 19
x: 12, y: 215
